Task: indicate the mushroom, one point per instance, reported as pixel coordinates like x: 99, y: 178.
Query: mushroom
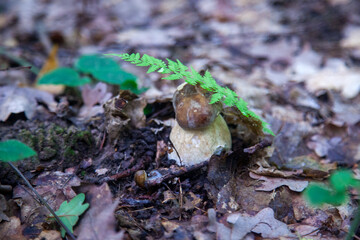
x: 199, y: 130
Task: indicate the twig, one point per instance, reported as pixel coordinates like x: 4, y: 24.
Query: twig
x: 5, y: 188
x: 129, y: 171
x: 263, y: 144
x: 16, y: 68
x: 156, y: 177
x: 42, y: 201
x: 18, y: 60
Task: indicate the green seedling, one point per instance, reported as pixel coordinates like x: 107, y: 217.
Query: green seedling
x: 13, y: 150
x: 177, y: 70
x: 88, y: 67
x: 69, y: 212
x: 336, y: 193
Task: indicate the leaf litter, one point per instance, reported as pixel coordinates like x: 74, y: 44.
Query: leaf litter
x: 296, y: 63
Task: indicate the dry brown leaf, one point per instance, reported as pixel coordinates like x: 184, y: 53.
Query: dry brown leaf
x: 122, y: 110
x: 274, y: 172
x: 262, y: 223
x: 16, y: 100
x: 55, y: 187
x: 93, y: 99
x: 99, y: 221
x: 336, y: 76
x: 50, y: 64
x: 3, y: 207
x: 191, y: 201
x: 12, y: 229
x: 49, y: 235
x: 272, y: 183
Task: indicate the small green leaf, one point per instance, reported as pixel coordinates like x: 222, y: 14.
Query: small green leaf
x: 14, y: 150
x: 94, y: 63
x: 65, y: 76
x: 341, y: 180
x: 69, y: 212
x: 117, y: 77
x: 318, y: 195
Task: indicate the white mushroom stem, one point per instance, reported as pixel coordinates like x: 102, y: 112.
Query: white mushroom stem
x: 196, y: 146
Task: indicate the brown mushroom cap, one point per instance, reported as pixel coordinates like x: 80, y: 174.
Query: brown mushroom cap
x: 192, y: 107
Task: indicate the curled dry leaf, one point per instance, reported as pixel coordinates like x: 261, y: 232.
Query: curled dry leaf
x: 152, y: 37
x: 122, y: 110
x: 3, y: 207
x: 55, y: 187
x: 272, y: 183
x: 274, y: 172
x: 262, y: 223
x: 16, y: 100
x: 336, y: 76
x: 93, y: 99
x: 12, y: 229
x: 99, y: 221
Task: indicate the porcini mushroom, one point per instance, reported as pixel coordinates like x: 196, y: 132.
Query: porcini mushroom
x: 199, y: 130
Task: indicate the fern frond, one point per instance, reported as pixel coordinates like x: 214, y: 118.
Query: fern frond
x: 177, y: 70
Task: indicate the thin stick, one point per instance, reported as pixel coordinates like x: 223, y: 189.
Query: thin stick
x: 18, y: 60
x: 15, y: 68
x: 42, y: 201
x: 354, y: 225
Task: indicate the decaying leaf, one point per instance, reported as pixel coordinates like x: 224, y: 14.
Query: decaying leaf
x: 337, y: 76
x: 274, y: 172
x: 148, y: 37
x: 272, y: 183
x: 122, y: 110
x: 99, y: 222
x: 12, y: 229
x: 56, y: 187
x: 93, y: 99
x: 16, y: 100
x: 3, y: 207
x: 262, y: 223
x: 191, y: 201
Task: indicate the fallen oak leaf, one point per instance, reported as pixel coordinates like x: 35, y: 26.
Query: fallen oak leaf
x: 99, y: 222
x: 263, y: 223
x: 272, y: 183
x: 16, y: 100
x: 93, y: 99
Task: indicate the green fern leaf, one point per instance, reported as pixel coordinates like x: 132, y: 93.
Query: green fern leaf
x: 182, y: 67
x: 178, y: 70
x: 153, y: 68
x: 174, y: 76
x: 216, y: 97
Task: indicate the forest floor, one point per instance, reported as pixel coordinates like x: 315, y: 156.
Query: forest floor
x: 297, y: 64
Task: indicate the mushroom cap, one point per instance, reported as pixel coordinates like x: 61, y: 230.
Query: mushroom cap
x: 192, y: 107
x: 196, y: 146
